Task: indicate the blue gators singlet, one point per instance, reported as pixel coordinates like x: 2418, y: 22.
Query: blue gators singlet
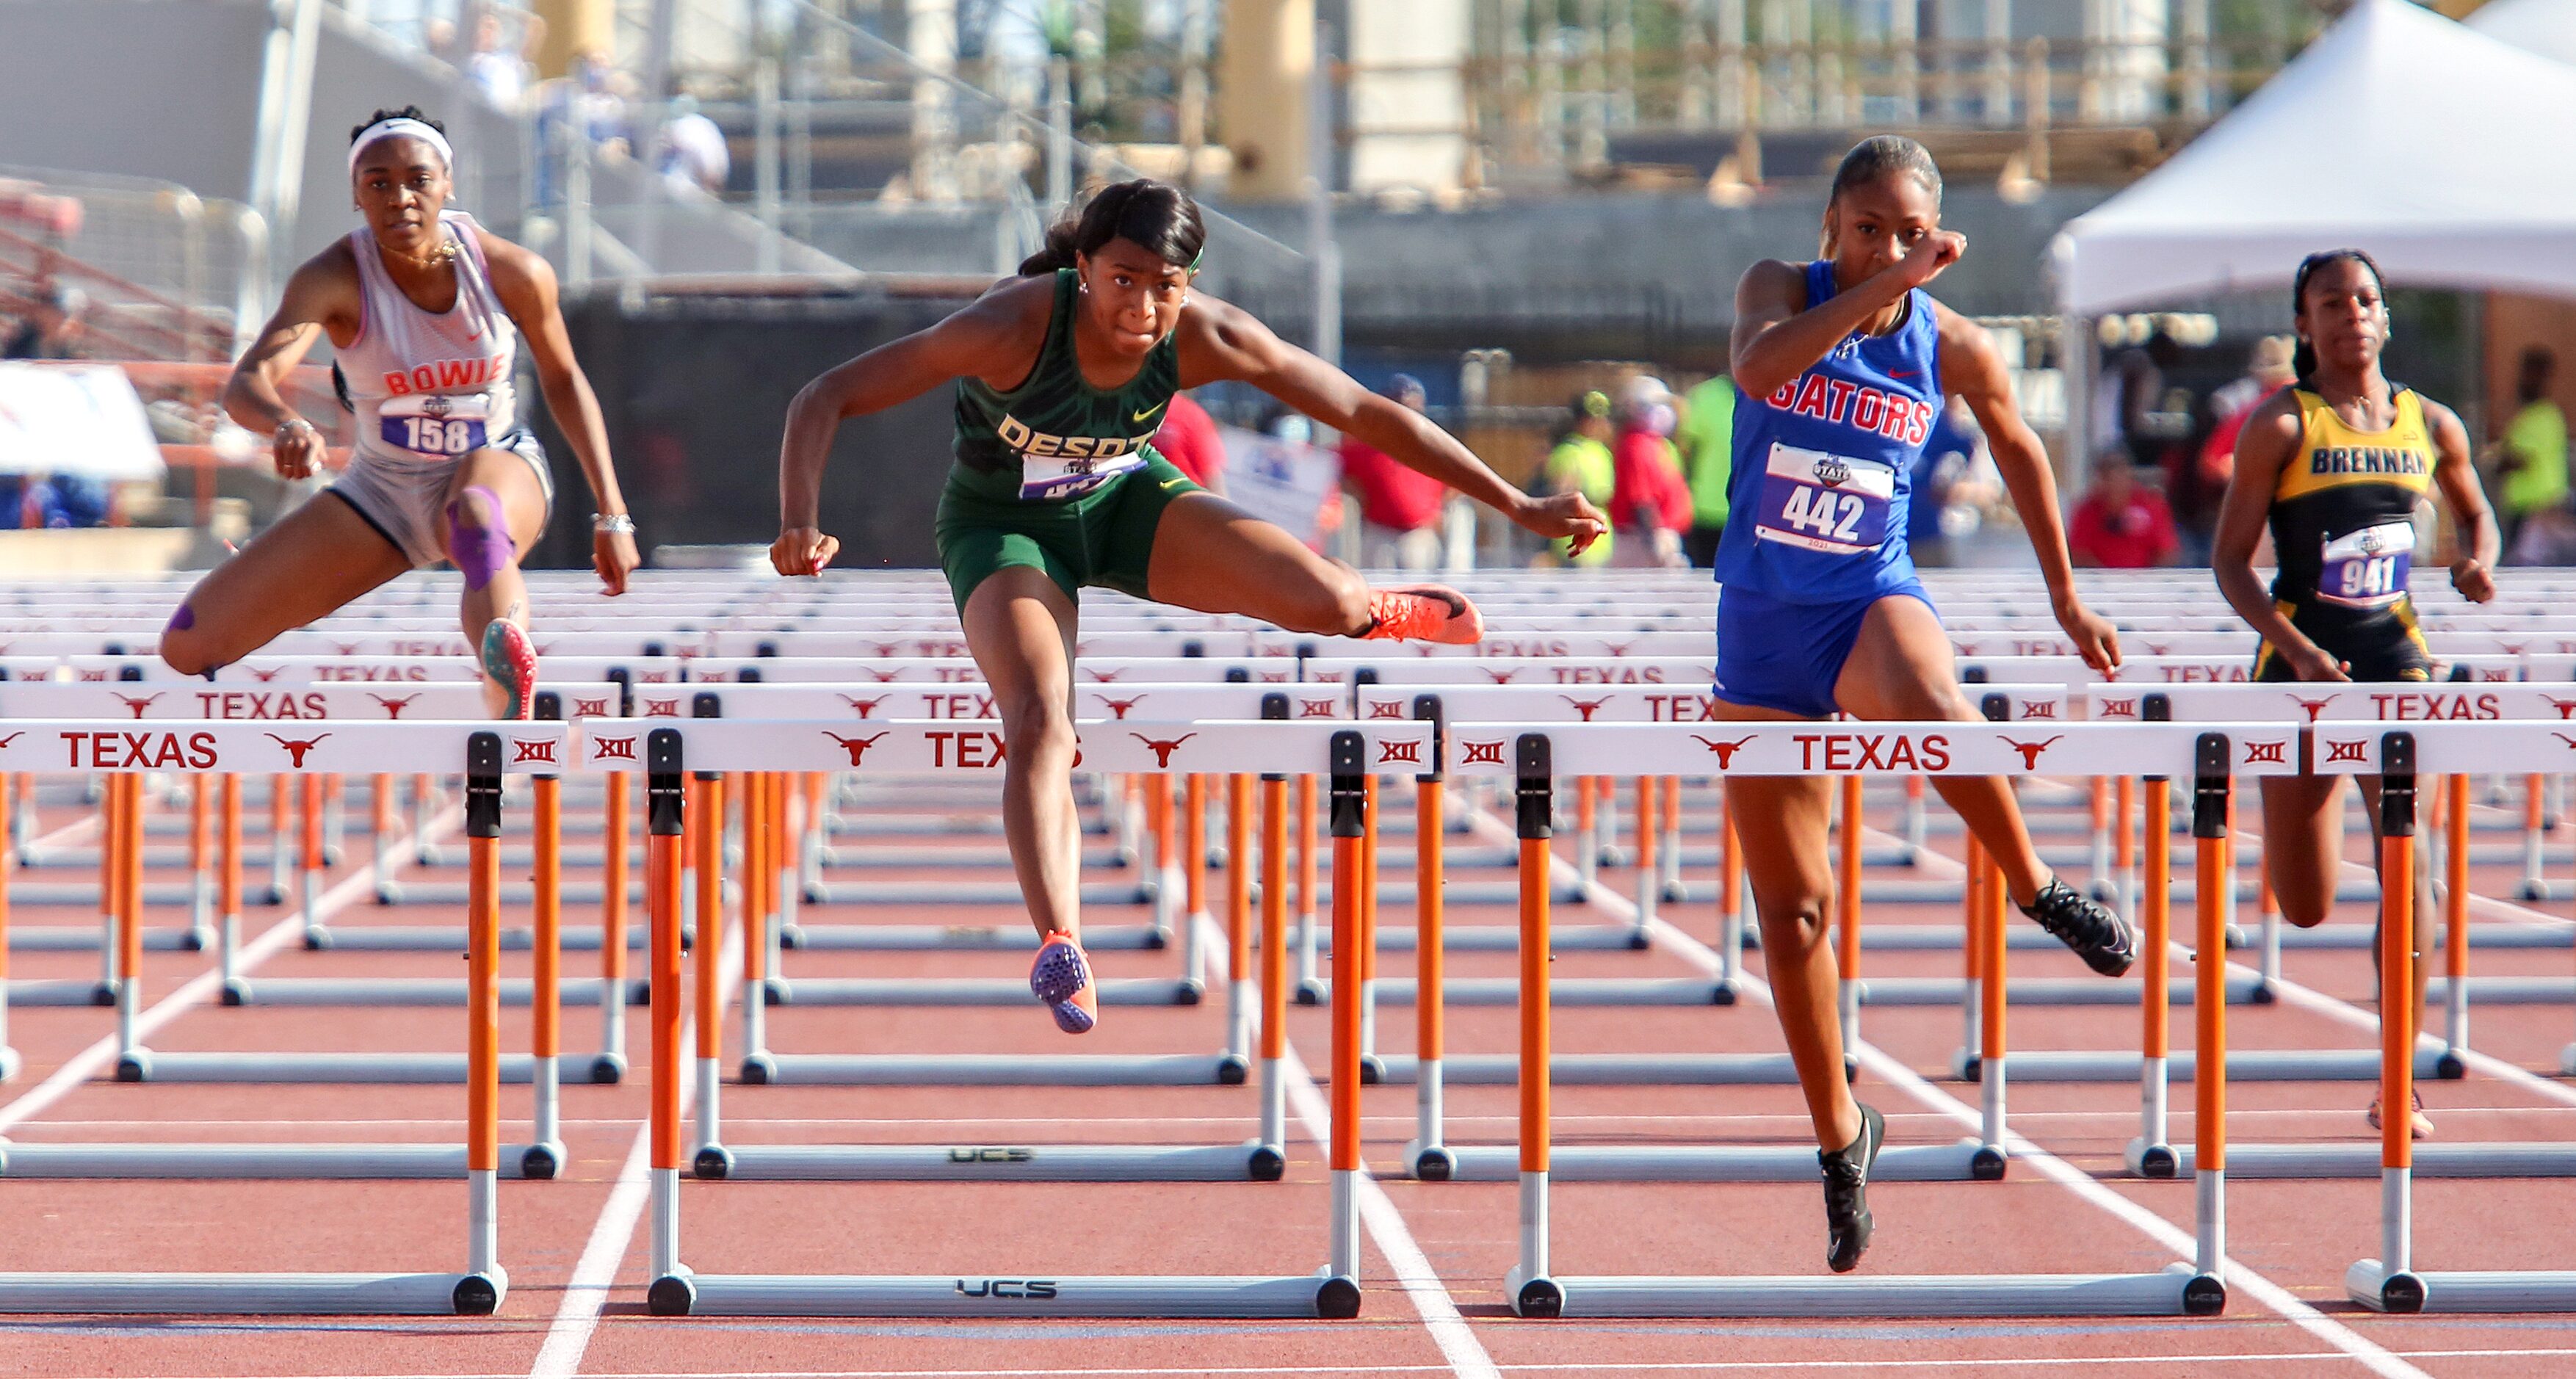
x: 1815, y: 533
x: 1823, y: 466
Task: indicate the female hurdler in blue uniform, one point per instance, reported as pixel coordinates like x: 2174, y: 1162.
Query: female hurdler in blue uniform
x: 1842, y: 365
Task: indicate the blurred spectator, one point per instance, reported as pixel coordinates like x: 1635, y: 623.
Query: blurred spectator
x: 1706, y: 439
x: 1649, y: 501
x: 1189, y: 439
x: 1940, y: 480
x: 2198, y: 488
x: 2133, y: 389
x: 1581, y: 463
x: 53, y: 329
x: 692, y: 150
x: 496, y: 70
x: 2121, y: 525
x: 2533, y: 451
x: 1399, y: 507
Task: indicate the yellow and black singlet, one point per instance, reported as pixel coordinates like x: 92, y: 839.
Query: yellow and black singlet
x: 2343, y: 529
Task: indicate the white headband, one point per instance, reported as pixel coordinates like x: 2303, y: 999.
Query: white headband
x: 404, y: 127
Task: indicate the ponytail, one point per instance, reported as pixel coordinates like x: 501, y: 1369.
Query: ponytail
x: 1154, y: 216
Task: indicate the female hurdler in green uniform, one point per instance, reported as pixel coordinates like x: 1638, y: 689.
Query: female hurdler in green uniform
x: 1062, y: 377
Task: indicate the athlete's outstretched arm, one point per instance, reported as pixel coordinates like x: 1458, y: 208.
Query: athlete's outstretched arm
x: 322, y: 291
x: 2270, y: 438
x: 1778, y: 336
x: 525, y: 283
x: 989, y: 339
x: 1223, y: 343
x: 1972, y: 370
x: 2471, y: 517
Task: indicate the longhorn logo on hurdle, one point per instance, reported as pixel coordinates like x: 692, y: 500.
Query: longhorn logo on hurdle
x: 856, y: 746
x: 1617, y: 648
x: 1118, y: 707
x: 5, y: 741
x: 264, y: 676
x: 1585, y: 707
x: 2566, y: 707
x: 2570, y: 741
x: 2357, y: 749
x: 349, y: 648
x: 1725, y: 750
x: 2030, y: 750
x: 865, y: 706
x: 1499, y: 677
x: 2314, y: 706
x: 394, y: 707
x: 1102, y: 676
x: 2157, y: 648
x: 138, y: 705
x: 295, y: 750
x: 882, y: 677
x: 1163, y: 750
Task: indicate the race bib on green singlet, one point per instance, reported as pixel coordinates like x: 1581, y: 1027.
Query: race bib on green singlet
x: 1053, y: 468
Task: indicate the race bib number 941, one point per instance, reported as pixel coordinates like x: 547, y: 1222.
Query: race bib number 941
x: 441, y: 424
x: 1828, y: 503
x: 2367, y: 568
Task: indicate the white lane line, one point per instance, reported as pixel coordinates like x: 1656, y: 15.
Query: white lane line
x: 1385, y: 1224
x: 2263, y: 1290
x: 83, y: 1066
x: 576, y: 1318
x: 1422, y: 1284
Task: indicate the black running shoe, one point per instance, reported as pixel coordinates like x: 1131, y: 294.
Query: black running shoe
x: 2098, y: 936
x: 1847, y: 1219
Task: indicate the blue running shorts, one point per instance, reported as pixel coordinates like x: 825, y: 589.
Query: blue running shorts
x: 1788, y: 656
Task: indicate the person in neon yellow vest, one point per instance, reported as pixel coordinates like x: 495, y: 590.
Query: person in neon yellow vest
x: 1582, y: 463
x: 1707, y: 444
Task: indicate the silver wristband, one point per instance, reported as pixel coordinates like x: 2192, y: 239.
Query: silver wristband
x: 621, y: 523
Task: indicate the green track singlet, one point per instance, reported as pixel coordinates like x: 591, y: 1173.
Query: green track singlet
x: 1058, y: 475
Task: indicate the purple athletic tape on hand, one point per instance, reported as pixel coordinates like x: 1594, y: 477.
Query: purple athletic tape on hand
x: 182, y: 620
x: 479, y: 551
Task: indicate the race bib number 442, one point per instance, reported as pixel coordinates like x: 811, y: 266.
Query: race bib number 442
x: 441, y: 424
x: 1828, y: 503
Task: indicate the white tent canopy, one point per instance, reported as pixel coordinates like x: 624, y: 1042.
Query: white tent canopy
x: 2547, y: 27
x: 2441, y: 151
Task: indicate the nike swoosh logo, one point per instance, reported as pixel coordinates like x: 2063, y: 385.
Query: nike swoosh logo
x: 1140, y: 416
x: 1905, y: 373
x: 1170, y: 484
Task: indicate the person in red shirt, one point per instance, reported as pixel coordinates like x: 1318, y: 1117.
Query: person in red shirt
x: 1399, y: 507
x: 1650, y: 504
x: 2120, y: 525
x: 1190, y: 441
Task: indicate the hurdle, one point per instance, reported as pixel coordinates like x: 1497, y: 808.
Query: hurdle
x: 480, y: 1288
x: 1535, y: 1290
x: 2391, y: 1282
x: 677, y: 1290
x: 353, y: 745
x: 1259, y: 1159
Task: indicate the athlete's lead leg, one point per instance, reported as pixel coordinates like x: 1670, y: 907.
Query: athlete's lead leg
x: 496, y: 509
x: 1900, y: 670
x: 1020, y: 627
x: 312, y: 561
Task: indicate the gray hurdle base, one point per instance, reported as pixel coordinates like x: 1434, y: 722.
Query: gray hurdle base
x: 290, y: 1162
x: 2360, y: 1159
x: 435, y: 938
x: 1250, y: 1161
x: 2176, y: 1291
x: 1599, y: 1070
x: 2461, y: 1290
x: 995, y: 938
x: 999, y: 1070
x: 682, y: 1293
x: 969, y: 991
x: 428, y: 1069
x: 80, y: 938
x: 2243, y: 1065
x: 395, y: 991
x: 1964, y: 1161
x: 125, y: 1294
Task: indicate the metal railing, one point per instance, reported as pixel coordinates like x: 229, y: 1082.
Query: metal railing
x: 170, y: 274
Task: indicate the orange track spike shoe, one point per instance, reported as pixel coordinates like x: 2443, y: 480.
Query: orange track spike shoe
x: 1424, y: 613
